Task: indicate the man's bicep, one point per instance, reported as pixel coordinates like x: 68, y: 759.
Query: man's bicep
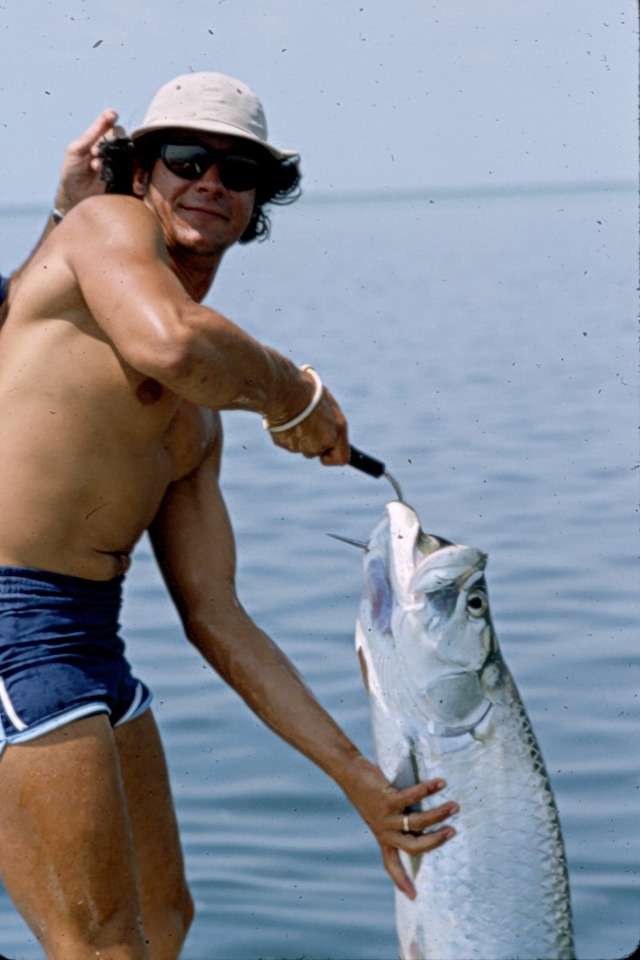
x: 114, y: 247
x: 193, y: 542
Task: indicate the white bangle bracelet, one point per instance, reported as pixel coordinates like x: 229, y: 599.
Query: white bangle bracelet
x: 315, y: 400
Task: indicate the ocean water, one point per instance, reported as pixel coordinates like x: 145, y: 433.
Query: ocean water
x: 484, y: 346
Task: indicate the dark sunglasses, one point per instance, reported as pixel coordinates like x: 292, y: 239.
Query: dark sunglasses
x: 190, y: 161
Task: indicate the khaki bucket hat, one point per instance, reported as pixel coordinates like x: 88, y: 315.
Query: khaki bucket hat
x: 210, y: 103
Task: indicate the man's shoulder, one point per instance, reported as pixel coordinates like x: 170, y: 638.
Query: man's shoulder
x: 78, y: 248
x: 104, y: 232
x: 111, y: 214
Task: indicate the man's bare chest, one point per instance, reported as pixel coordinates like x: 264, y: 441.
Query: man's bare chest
x: 61, y: 380
x: 180, y: 431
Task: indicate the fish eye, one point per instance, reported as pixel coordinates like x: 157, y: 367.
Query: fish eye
x: 477, y: 603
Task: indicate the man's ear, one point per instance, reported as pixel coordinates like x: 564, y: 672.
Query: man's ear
x: 140, y: 181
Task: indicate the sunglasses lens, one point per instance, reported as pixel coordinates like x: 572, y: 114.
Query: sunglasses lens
x: 239, y: 173
x: 186, y: 160
x: 190, y: 161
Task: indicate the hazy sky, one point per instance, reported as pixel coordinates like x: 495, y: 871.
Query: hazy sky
x: 373, y: 93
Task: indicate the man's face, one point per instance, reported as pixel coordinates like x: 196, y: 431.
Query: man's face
x: 202, y: 216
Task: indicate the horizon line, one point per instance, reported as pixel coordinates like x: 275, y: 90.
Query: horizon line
x: 384, y: 194
x: 458, y: 191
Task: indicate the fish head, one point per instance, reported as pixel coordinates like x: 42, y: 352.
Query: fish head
x: 425, y: 630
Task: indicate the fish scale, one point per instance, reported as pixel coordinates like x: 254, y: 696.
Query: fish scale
x: 511, y: 811
x: 445, y: 705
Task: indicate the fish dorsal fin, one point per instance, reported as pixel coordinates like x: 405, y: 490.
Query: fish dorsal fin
x: 404, y: 529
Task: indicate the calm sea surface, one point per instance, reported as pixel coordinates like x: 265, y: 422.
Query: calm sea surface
x: 486, y: 348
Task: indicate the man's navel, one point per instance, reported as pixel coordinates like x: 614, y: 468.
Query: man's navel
x: 149, y: 391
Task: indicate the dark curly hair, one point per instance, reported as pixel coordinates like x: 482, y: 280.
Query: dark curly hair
x: 279, y: 181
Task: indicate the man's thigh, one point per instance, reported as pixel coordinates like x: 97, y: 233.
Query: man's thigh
x: 159, y: 858
x: 66, y: 857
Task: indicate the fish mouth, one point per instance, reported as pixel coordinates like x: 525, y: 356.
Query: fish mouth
x: 434, y: 561
x: 429, y: 543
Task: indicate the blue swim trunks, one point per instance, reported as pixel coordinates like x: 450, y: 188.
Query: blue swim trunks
x: 60, y: 654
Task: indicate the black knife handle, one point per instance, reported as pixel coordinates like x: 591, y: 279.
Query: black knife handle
x: 362, y: 461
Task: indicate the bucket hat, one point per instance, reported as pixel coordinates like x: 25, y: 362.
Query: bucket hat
x: 210, y: 103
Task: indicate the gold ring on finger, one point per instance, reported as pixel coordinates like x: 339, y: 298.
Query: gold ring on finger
x: 405, y: 824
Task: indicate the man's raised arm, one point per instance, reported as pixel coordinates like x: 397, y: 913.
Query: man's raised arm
x: 79, y: 178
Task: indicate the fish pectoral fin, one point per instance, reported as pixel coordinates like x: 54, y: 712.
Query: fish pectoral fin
x: 406, y: 774
x: 416, y: 862
x: 393, y: 748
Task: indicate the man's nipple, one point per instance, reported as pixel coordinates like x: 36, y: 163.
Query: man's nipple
x: 149, y: 391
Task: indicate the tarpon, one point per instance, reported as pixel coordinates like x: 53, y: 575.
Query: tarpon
x: 444, y: 704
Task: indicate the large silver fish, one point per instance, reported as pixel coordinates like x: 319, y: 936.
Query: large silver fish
x: 444, y: 704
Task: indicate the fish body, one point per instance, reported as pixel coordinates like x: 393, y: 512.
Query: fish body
x: 444, y: 704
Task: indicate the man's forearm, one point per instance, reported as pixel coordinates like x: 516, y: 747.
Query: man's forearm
x: 213, y: 362
x: 269, y: 683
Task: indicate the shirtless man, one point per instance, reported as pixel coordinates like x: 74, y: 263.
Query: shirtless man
x: 111, y: 378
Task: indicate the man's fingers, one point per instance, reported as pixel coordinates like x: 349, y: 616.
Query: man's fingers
x: 322, y: 433
x: 419, y: 821
x: 115, y: 133
x: 338, y: 455
x: 393, y: 866
x: 313, y: 441
x: 425, y: 841
x: 411, y: 795
x: 98, y: 129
